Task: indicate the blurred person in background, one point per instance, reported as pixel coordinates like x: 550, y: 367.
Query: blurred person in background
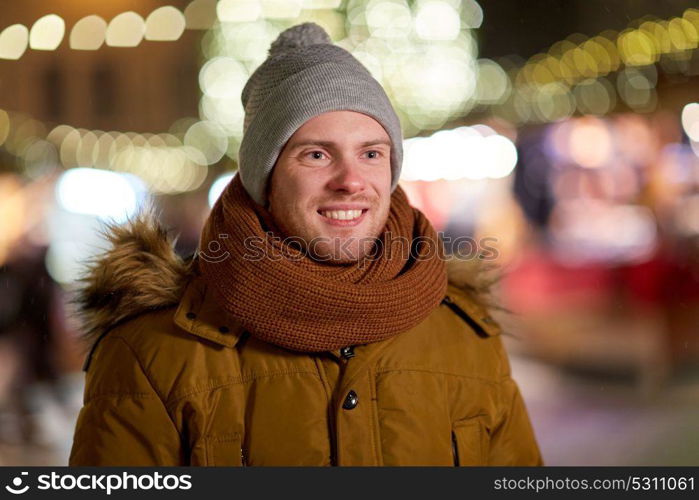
x: 271, y: 351
x: 31, y: 318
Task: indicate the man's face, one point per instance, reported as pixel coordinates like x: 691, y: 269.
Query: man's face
x: 331, y: 185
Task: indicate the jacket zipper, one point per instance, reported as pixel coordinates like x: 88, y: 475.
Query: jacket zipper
x: 345, y: 354
x: 333, y: 439
x: 454, y: 451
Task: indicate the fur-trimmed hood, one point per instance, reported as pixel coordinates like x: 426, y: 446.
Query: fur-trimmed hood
x: 140, y: 272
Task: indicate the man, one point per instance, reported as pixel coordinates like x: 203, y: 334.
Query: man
x: 300, y: 334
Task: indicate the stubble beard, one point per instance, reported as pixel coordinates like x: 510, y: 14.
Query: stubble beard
x: 334, y: 249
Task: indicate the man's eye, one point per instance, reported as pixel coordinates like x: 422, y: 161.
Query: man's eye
x: 373, y: 154
x: 316, y: 155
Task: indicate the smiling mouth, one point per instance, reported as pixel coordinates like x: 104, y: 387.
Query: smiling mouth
x: 342, y: 215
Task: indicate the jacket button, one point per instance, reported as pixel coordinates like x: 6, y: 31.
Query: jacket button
x: 347, y: 352
x: 350, y: 401
x: 191, y: 315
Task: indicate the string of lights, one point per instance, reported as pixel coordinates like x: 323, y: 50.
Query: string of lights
x: 424, y: 53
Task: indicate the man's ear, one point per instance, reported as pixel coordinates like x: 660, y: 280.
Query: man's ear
x: 268, y: 183
x: 268, y: 189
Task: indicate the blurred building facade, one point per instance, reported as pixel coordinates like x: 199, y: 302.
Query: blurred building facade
x: 143, y: 89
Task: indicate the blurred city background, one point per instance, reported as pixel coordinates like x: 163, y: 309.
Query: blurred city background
x: 565, y: 130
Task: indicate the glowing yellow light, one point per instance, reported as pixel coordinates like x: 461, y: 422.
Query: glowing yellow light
x: 13, y: 41
x: 598, y: 55
x: 595, y: 96
x: 541, y: 74
x: 23, y: 132
x: 165, y: 24
x: 69, y: 148
x: 125, y: 30
x: 247, y: 41
x: 321, y: 4
x: 371, y: 62
x: 209, y: 138
x: 655, y: 32
x: 493, y: 85
x: 155, y: 141
x: 4, y: 126
x: 137, y: 140
x: 58, y: 133
x: 170, y: 140
x: 568, y: 62
x: 281, y: 9
x: 524, y: 76
x: 692, y: 15
x: 389, y: 19
x: 637, y: 48
x: 553, y: 66
x: 121, y: 143
x: 180, y: 126
x: 437, y: 20
x: 165, y: 170
x: 40, y: 158
x: 103, y: 148
x: 238, y: 10
x: 584, y: 62
x: 472, y: 14
x: 88, y: 33
x: 682, y: 34
x: 200, y: 14
x: 561, y: 47
x: 194, y: 155
x: 442, y: 77
x: 605, y: 40
x: 332, y: 20
x: 553, y: 102
x: 636, y: 90
x: 222, y: 77
x: 47, y: 33
x: 86, y: 147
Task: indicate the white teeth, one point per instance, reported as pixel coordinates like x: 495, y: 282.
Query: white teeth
x: 341, y: 214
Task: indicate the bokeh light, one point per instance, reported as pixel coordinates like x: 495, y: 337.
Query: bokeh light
x: 126, y: 30
x: 88, y: 33
x: 47, y: 33
x: 474, y: 153
x: 13, y: 41
x: 690, y: 121
x: 218, y: 186
x: 107, y: 195
x: 165, y: 24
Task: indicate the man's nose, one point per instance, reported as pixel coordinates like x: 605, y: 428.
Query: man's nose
x: 347, y: 177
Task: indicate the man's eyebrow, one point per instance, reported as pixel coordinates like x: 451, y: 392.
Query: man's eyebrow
x: 330, y: 144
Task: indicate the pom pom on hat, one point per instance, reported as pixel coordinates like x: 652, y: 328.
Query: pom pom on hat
x: 296, y: 37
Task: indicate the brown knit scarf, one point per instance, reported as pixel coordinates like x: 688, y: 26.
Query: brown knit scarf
x: 302, y: 304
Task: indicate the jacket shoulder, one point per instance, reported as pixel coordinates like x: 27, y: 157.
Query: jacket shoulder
x: 139, y: 272
x: 457, y: 338
x: 155, y: 344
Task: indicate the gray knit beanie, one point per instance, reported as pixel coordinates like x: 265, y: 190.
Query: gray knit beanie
x: 303, y: 76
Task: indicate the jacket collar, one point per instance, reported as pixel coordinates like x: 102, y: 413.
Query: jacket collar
x: 199, y: 314
x: 140, y: 272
